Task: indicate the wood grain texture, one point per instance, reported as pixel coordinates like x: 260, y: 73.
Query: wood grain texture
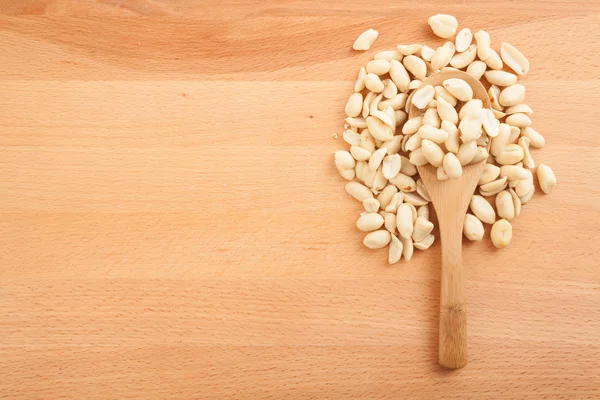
x: 172, y: 225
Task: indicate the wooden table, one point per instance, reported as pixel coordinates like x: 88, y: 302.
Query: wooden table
x: 172, y: 225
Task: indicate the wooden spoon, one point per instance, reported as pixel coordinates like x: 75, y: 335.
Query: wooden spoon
x: 450, y: 200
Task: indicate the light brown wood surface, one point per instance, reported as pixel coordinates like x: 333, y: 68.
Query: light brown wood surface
x: 172, y: 225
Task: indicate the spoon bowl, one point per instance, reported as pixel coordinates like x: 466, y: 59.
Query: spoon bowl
x: 450, y: 200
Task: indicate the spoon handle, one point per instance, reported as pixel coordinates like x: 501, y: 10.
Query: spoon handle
x: 453, y: 313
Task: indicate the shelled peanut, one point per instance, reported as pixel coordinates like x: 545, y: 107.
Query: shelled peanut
x: 454, y: 130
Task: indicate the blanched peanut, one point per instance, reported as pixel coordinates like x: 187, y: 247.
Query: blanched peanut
x: 407, y: 248
x: 351, y: 137
x: 373, y: 83
x: 371, y: 205
x: 369, y: 222
x: 415, y: 200
x: 344, y: 159
x: 490, y: 123
x: 483, y: 44
x: 366, y: 141
x: 446, y: 111
x: 527, y: 158
x: 354, y: 105
x: 504, y: 205
x: 515, y: 132
x: 516, y: 202
x: 477, y: 68
x: 391, y: 165
x: 525, y: 199
x: 417, y: 158
x: 519, y: 108
x: 470, y: 128
x: 434, y: 134
x: 423, y: 96
x: 432, y: 118
x: 546, y: 178
x: 471, y: 108
x: 443, y: 25
x: 388, y: 55
x: 390, y: 90
x: 473, y: 228
x: 499, y: 78
x: 399, y: 75
x: 427, y: 53
x: 381, y: 126
x: 358, y: 191
x: 453, y: 141
x: 412, y: 125
x: 442, y: 56
x: 482, y: 209
x: 404, y: 183
x: 376, y: 159
x: 466, y: 152
x: 404, y: 221
x: 494, y: 187
x: 422, y: 229
x: 392, y: 207
x: 408, y: 49
x: 489, y: 174
x: 397, y: 102
x: 441, y: 92
x: 458, y: 88
x: 415, y: 66
x: 512, y: 154
x: 537, y: 140
x: 386, y: 195
x: 423, y: 211
x: 414, y: 142
x: 360, y: 80
x: 492, y: 59
x: 406, y: 167
x: 378, y: 67
x: 360, y: 168
x: 513, y: 172
x: 359, y: 153
x: 512, y: 95
x: 441, y: 174
x: 514, y: 59
x: 519, y: 120
x: 393, y: 145
x: 493, y: 94
x: 432, y: 152
x: 499, y: 142
x: 463, y: 39
x: 389, y: 222
x: 347, y: 174
x: 452, y: 166
x: 422, y: 190
x: 425, y: 243
x: 395, y: 251
x: 399, y: 116
x: 481, y: 154
x: 525, y: 186
x: 501, y: 233
x: 377, y: 239
x: 365, y: 40
x: 461, y: 60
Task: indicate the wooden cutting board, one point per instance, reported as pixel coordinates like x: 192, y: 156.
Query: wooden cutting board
x: 172, y: 225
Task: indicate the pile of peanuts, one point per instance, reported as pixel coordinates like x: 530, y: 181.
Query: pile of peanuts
x: 454, y: 130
